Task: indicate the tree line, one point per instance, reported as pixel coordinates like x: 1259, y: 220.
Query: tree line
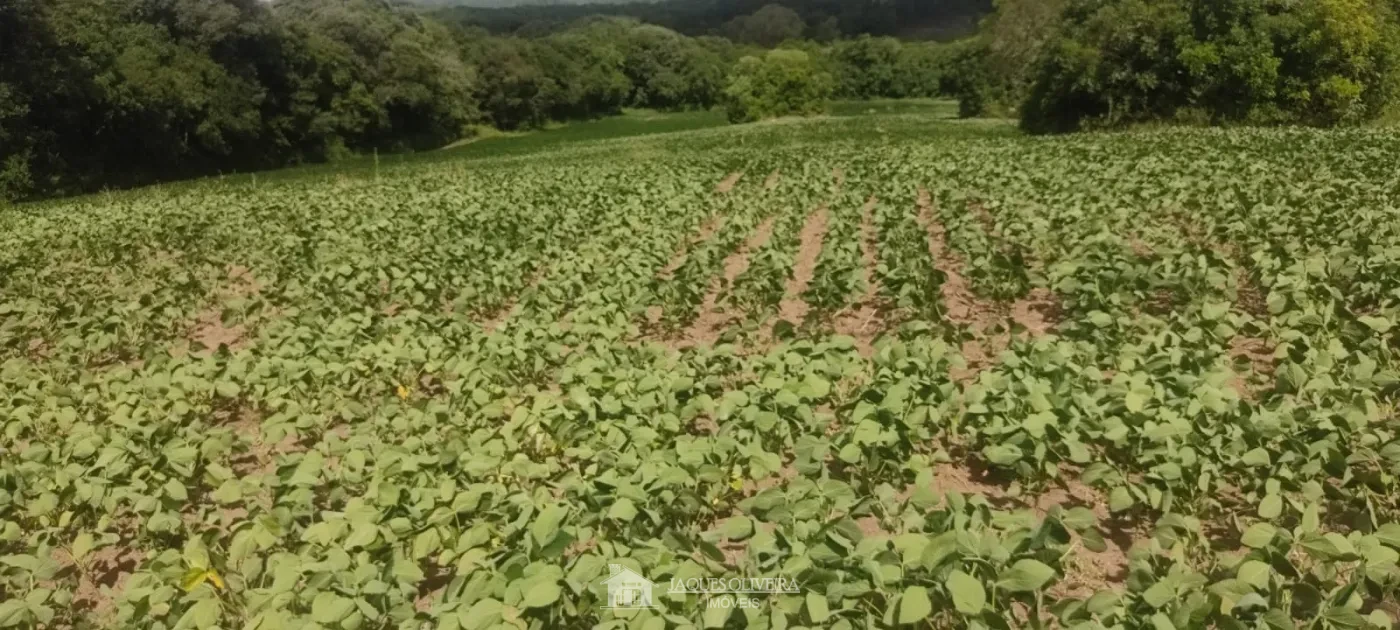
x: 822, y: 20
x: 114, y: 93
x: 1067, y: 65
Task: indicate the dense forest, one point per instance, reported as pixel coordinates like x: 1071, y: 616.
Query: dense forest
x: 108, y: 93
x: 823, y: 19
x: 100, y: 93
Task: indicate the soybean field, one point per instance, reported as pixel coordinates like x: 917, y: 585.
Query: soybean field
x: 938, y: 374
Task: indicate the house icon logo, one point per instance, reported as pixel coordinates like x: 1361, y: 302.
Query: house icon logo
x: 627, y: 589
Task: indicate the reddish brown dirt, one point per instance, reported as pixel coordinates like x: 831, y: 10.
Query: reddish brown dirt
x: 839, y: 175
x: 710, y: 324
x: 1086, y: 572
x: 105, y: 568
x: 211, y: 332
x: 38, y: 349
x: 953, y: 478
x: 863, y: 321
x: 209, y: 329
x: 870, y: 527
x: 1249, y: 297
x: 989, y: 224
x: 654, y: 314
x: 580, y: 547
x: 1141, y: 248
x: 260, y: 458
x: 1037, y: 313
x: 706, y: 232
x: 772, y: 181
x: 1260, y: 357
x: 430, y: 590
x: 727, y: 185
x: 705, y: 425
x: 960, y: 304
x: 793, y: 308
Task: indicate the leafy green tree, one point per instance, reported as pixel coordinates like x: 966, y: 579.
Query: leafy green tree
x: 867, y: 67
x: 670, y: 71
x: 1321, y: 62
x: 783, y: 82
x: 767, y: 27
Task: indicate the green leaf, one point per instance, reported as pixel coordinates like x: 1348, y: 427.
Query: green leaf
x: 1120, y: 499
x: 481, y: 615
x: 1002, y: 454
x: 1025, y: 576
x: 12, y: 612
x: 816, y: 607
x: 1344, y: 617
x: 1211, y: 311
x: 328, y: 608
x: 716, y: 616
x: 362, y: 535
x: 1254, y: 573
x: 1256, y: 457
x: 1259, y: 535
x: 1271, y: 507
x: 1159, y: 594
x: 542, y: 594
x: 546, y: 524
x: 738, y: 528
x: 1389, y: 535
x: 204, y: 614
x: 622, y: 510
x: 1378, y: 324
x: 82, y: 545
x: 914, y: 605
x: 969, y: 597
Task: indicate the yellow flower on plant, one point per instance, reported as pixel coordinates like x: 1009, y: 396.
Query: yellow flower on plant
x: 403, y: 392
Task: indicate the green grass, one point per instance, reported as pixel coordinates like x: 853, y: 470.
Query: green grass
x: 645, y: 126
x: 916, y: 106
x: 630, y: 123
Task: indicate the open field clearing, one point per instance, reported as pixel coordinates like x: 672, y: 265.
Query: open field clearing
x: 939, y: 374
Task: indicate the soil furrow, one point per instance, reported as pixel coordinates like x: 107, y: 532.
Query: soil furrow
x: 728, y: 184
x: 710, y: 323
x: 793, y: 308
x: 706, y: 232
x: 862, y: 320
x: 1036, y: 313
x: 959, y: 303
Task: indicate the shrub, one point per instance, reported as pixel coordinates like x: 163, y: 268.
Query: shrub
x: 781, y: 83
x: 1113, y: 62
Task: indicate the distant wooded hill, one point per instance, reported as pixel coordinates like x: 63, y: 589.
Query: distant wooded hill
x: 824, y: 19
